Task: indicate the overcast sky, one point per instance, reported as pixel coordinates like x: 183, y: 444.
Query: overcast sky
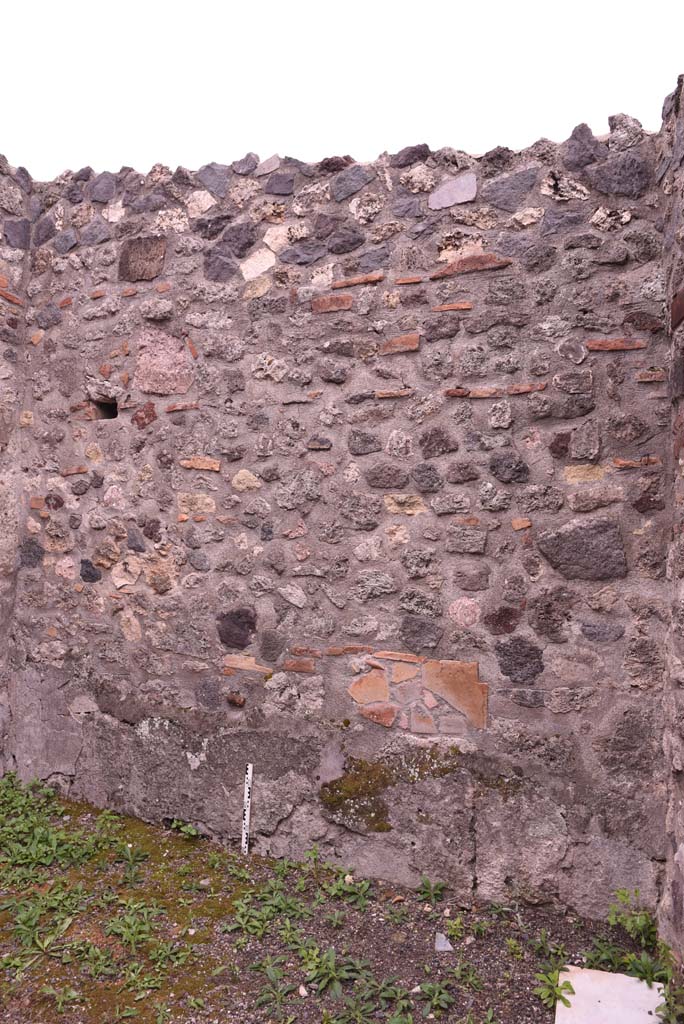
x: 138, y: 82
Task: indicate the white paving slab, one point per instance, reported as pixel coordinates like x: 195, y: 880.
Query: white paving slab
x: 603, y: 998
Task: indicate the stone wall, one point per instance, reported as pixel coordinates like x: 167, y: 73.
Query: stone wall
x: 361, y: 473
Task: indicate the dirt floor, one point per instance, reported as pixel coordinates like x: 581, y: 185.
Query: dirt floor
x: 106, y: 919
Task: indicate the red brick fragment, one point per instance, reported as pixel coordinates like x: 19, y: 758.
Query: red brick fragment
x: 105, y: 371
x: 302, y: 651
x: 303, y: 665
x: 4, y: 283
x: 409, y: 280
x: 193, y: 348
x: 645, y: 460
x: 447, y: 307
x: 337, y: 652
x: 331, y: 303
x: 403, y: 343
x: 521, y: 524
x: 9, y: 297
x: 653, y: 376
x: 128, y: 293
x: 471, y: 264
x: 145, y: 415
x: 65, y: 302
x: 181, y: 407
x: 73, y: 471
x: 677, y: 309
x: 37, y: 502
x: 352, y: 282
x: 615, y: 344
x: 381, y: 714
x: 99, y: 293
x: 162, y: 287
x: 399, y: 393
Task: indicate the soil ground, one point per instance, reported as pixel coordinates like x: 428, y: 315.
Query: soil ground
x: 105, y: 918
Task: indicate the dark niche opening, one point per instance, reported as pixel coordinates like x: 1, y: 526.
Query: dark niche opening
x: 105, y: 408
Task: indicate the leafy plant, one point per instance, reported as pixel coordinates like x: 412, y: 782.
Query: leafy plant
x: 186, y: 830
x: 638, y: 922
x: 62, y: 996
x: 331, y: 973
x: 455, y: 927
x: 551, y: 989
x: 430, y: 892
x: 437, y: 997
x: 514, y: 948
x: 467, y: 976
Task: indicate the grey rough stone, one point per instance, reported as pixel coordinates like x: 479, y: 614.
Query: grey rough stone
x: 585, y: 549
x: 219, y: 264
x: 240, y: 237
x: 44, y: 230
x: 436, y: 441
x: 463, y: 540
x: 350, y: 181
x: 509, y: 467
x: 215, y: 177
x: 426, y: 478
x: 304, y: 253
x: 17, y: 233
x: 31, y: 553
x: 360, y: 442
x: 582, y: 148
x: 508, y: 191
x: 519, y: 659
x: 420, y: 633
x: 345, y: 239
x: 248, y: 164
x: 410, y: 155
x: 102, y: 188
x: 629, y: 173
x: 280, y: 184
x: 373, y: 583
x: 96, y: 233
x: 236, y: 627
x: 65, y: 241
x: 386, y: 476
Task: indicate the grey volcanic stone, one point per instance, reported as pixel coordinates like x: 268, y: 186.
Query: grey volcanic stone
x: 508, y: 467
x: 248, y: 164
x: 386, y: 476
x: 215, y: 178
x: 623, y: 174
x: 236, y: 627
x: 360, y: 442
x: 219, y: 264
x: 420, y: 633
x: 583, y: 148
x: 240, y: 237
x: 519, y: 659
x: 410, y: 155
x: 31, y: 553
x: 103, y: 187
x: 345, y: 239
x: 18, y: 233
x: 349, y: 181
x: 508, y: 191
x: 304, y: 253
x: 585, y: 549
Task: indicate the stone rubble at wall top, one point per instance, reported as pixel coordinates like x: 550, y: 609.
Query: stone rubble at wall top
x: 320, y: 462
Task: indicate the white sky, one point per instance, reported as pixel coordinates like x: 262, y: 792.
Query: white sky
x: 137, y: 82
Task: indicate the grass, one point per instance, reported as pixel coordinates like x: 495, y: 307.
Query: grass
x: 105, y: 919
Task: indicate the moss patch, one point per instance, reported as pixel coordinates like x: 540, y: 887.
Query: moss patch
x: 356, y: 800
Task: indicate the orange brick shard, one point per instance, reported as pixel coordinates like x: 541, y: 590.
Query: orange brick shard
x: 645, y: 460
x: 304, y: 665
x: 245, y: 662
x: 615, y: 344
x: 399, y: 393
x: 403, y: 343
x: 409, y: 280
x: 447, y: 307
x: 331, y: 303
x: 352, y: 282
x: 521, y: 524
x: 9, y: 297
x: 471, y: 264
x: 202, y: 462
x: 370, y: 688
x: 655, y: 375
x: 380, y: 714
x: 457, y: 682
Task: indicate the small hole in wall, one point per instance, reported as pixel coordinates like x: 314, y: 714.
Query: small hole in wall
x: 105, y: 408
